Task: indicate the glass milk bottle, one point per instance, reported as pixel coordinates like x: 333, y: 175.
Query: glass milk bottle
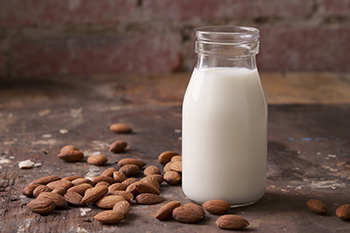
x: 224, y: 125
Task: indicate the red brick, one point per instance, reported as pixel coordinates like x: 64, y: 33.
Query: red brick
x: 47, y: 12
x: 231, y: 9
x: 315, y: 49
x: 138, y: 53
x: 337, y: 7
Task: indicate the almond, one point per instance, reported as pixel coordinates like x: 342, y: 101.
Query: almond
x: 343, y: 212
x: 56, y: 198
x: 102, y: 183
x: 60, y: 191
x: 66, y: 184
x: 73, y: 198
x: 316, y: 206
x: 166, y: 156
x: 151, y: 180
x: 146, y: 188
x: 187, y: 214
x: 45, y: 180
x: 176, y: 166
x: 217, y: 207
x: 176, y: 158
x: 151, y: 170
x: 107, y: 202
x: 137, y: 162
x: 167, y: 168
x: 117, y: 187
x: 129, y: 181
x: 109, y: 216
x: 108, y: 172
x: 70, y: 153
x: 70, y: 178
x: 126, y: 195
x: 107, y: 179
x: 118, y: 146
x: 148, y: 199
x: 97, y: 160
x: 81, y: 181
x: 198, y: 208
x: 122, y: 207
x: 120, y: 128
x: 94, y: 194
x: 129, y: 169
x: 119, y: 176
x: 81, y: 188
x: 172, y: 177
x: 41, y: 205
x: 166, y: 210
x: 41, y: 188
x: 158, y: 177
x: 28, y: 190
x: 231, y: 222
x: 132, y: 189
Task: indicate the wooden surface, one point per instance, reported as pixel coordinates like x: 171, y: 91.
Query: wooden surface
x: 309, y: 147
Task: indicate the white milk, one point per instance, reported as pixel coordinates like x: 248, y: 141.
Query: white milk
x: 224, y: 136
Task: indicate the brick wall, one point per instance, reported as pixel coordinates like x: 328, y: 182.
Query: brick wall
x: 78, y: 37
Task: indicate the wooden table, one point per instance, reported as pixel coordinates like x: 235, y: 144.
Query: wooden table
x: 309, y: 147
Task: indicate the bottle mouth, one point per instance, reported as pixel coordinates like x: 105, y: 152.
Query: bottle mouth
x: 227, y: 40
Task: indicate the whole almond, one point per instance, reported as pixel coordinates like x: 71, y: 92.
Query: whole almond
x: 73, y: 198
x: 102, y: 183
x: 125, y: 194
x: 316, y: 206
x: 148, y: 199
x: 151, y: 180
x: 56, y: 198
x: 118, y: 146
x: 129, y: 170
x: 81, y: 188
x: 167, y: 168
x: 117, y: 187
x: 70, y: 178
x: 119, y: 176
x: 129, y: 181
x: 343, y: 212
x: 81, y: 181
x: 109, y: 217
x: 217, y: 207
x: 46, y: 179
x: 146, y: 188
x: 176, y: 158
x: 187, y: 214
x: 41, y: 188
x: 150, y: 170
x: 231, y: 222
x: 107, y: 202
x: 176, y: 166
x: 122, y: 207
x: 166, y: 156
x: 120, y: 128
x: 60, y: 191
x: 94, y: 194
x: 66, y: 184
x: 172, y: 177
x: 158, y: 177
x: 28, y: 190
x: 166, y: 211
x: 97, y: 160
x: 41, y: 205
x: 107, y: 179
x: 70, y: 153
x: 126, y: 161
x: 108, y: 172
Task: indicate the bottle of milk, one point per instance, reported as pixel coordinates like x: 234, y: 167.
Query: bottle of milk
x: 224, y: 126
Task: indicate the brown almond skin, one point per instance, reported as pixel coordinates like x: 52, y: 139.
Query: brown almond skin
x: 148, y: 199
x: 158, y: 177
x: 132, y: 189
x: 166, y: 156
x: 28, y: 190
x: 122, y: 207
x: 41, y: 205
x: 81, y: 188
x: 107, y: 202
x: 59, y: 200
x: 73, y: 198
x: 70, y: 178
x: 172, y: 177
x: 81, y: 181
x: 119, y: 176
x: 146, y: 188
x: 41, y: 188
x: 94, y: 194
x: 126, y: 195
x: 129, y: 181
x: 166, y: 211
x: 151, y: 180
x: 108, y: 172
x: 66, y: 184
x: 97, y: 160
x: 231, y: 222
x: 343, y: 212
x: 107, y: 179
x: 150, y: 170
x: 198, y: 208
x: 70, y: 153
x: 129, y: 170
x: 45, y: 180
x: 186, y: 214
x: 120, y: 128
x: 317, y: 206
x: 117, y: 187
x: 102, y: 183
x: 137, y: 162
x: 118, y: 146
x: 109, y: 217
x: 217, y: 207
x: 167, y: 168
x: 176, y: 166
x: 176, y: 158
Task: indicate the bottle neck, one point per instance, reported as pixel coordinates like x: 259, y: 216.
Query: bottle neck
x: 205, y: 61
